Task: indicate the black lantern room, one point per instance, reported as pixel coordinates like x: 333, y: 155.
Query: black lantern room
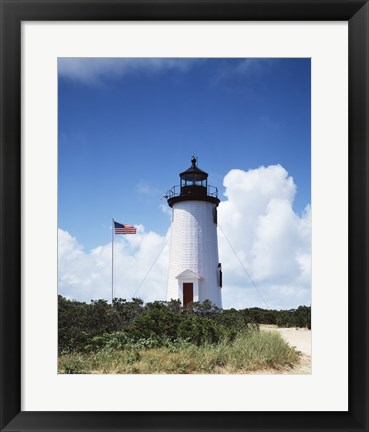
x: 194, y: 186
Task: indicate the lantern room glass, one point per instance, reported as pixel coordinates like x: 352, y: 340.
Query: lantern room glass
x: 194, y: 182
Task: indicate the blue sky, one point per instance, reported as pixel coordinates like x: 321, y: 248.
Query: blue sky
x: 124, y: 137
x: 127, y: 127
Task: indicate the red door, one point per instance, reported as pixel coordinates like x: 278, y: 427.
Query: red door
x: 187, y: 293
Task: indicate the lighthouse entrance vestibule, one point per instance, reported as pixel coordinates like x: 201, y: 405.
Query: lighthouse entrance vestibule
x: 188, y: 286
x: 187, y: 293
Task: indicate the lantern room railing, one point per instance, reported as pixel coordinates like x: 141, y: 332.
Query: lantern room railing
x: 177, y: 191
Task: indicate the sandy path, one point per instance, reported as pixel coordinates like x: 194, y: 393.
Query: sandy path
x: 297, y: 338
x: 300, y: 339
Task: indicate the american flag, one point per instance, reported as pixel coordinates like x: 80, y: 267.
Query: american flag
x: 124, y: 228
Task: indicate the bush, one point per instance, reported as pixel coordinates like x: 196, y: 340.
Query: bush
x: 159, y: 320
x: 198, y: 330
x: 131, y: 325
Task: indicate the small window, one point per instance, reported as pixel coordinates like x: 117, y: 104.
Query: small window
x: 215, y: 214
x: 220, y: 275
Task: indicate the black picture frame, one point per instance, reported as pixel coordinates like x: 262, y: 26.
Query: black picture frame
x: 13, y: 12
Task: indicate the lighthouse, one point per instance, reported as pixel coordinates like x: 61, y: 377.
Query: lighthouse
x: 195, y: 273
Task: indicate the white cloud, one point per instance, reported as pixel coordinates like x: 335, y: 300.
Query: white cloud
x: 254, y: 65
x: 87, y: 275
x: 166, y: 210
x: 95, y: 71
x: 146, y: 189
x: 270, y: 239
x: 247, y: 67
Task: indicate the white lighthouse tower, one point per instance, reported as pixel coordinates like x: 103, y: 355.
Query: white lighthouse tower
x: 195, y: 273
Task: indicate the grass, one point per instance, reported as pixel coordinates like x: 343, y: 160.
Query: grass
x: 250, y: 352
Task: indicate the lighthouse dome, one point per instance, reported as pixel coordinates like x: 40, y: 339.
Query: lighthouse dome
x: 193, y: 186
x: 194, y: 173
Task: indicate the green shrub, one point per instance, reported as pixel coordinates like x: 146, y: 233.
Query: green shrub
x: 134, y: 325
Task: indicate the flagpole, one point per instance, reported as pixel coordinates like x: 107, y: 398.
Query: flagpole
x: 112, y: 260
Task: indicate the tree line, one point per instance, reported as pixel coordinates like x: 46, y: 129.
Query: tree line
x: 99, y: 324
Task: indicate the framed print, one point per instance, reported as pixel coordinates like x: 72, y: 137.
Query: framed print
x: 56, y: 62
